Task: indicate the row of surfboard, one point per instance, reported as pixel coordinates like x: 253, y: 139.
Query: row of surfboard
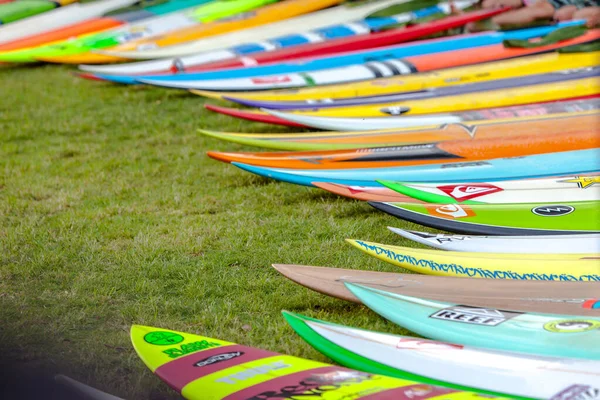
x: 492, y: 136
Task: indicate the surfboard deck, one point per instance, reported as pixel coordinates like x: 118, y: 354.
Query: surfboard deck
x: 417, y: 154
x: 551, y: 335
x: 497, y: 371
x: 502, y: 219
x: 203, y: 368
x: 560, y: 244
x: 550, y: 297
x: 552, y: 190
x: 514, y: 266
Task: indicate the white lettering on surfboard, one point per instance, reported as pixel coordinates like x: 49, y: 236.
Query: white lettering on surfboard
x: 252, y: 372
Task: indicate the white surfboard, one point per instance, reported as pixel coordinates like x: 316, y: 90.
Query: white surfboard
x: 365, y: 124
x: 499, y: 371
x: 548, y: 190
x: 556, y: 244
x: 352, y: 73
x: 58, y: 18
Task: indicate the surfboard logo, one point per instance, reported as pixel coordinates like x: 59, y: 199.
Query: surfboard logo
x: 572, y: 325
x: 592, y: 304
x: 552, y: 210
x: 162, y: 338
x: 397, y: 110
x: 578, y: 392
x: 218, y: 358
x: 271, y: 80
x: 450, y: 211
x: 474, y: 315
x: 583, y: 182
x: 466, y: 192
x: 470, y: 129
x: 316, y: 385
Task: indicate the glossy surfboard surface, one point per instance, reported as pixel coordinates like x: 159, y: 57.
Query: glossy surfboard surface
x: 564, y: 188
x: 550, y: 297
x: 502, y: 219
x: 484, y: 71
x: 203, y: 368
x: 571, y: 122
x: 335, y: 46
x: 552, y: 335
x: 518, y: 266
x: 526, y: 167
x: 559, y: 244
x: 418, y: 154
x: 514, y: 374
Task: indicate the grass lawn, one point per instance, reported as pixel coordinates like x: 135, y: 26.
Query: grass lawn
x: 112, y: 215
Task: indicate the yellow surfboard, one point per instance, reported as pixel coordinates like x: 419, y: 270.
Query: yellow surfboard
x: 523, y: 66
x: 555, y: 267
x: 473, y: 101
x: 202, y: 368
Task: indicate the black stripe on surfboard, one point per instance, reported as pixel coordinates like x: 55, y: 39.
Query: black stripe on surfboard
x: 408, y: 64
x: 417, y: 152
x: 374, y: 70
x: 392, y: 67
x: 465, y: 227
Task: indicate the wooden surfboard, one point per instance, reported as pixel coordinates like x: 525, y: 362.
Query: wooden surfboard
x: 571, y: 298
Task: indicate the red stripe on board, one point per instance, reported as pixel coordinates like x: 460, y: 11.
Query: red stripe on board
x: 265, y: 118
x: 181, y: 371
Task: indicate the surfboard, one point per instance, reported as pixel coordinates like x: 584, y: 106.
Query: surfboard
x: 358, y: 65
x: 566, y: 188
x: 264, y: 37
x: 320, y: 28
x: 203, y: 368
x: 424, y: 154
x: 505, y: 68
x: 390, y: 122
x: 78, y: 49
x: 551, y: 297
x: 79, y: 19
x: 461, y: 85
x: 547, y: 267
x: 365, y: 193
x: 151, y: 48
x: 502, y: 219
x: 559, y: 244
x: 525, y: 167
x: 540, y: 334
x: 474, y: 131
x: 529, y: 94
x: 338, y: 45
x: 520, y: 375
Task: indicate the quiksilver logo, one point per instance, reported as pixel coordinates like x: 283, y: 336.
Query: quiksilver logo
x: 553, y: 210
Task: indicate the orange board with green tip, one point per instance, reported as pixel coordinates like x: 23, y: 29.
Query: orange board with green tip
x: 419, y: 154
x: 209, y: 369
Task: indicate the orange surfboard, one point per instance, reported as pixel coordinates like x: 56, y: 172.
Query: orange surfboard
x: 585, y: 137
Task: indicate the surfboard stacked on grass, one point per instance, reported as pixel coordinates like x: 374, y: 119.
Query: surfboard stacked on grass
x: 490, y: 136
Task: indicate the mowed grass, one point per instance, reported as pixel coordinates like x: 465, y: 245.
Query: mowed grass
x: 112, y: 215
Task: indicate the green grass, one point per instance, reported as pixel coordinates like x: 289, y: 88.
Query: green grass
x: 111, y: 215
